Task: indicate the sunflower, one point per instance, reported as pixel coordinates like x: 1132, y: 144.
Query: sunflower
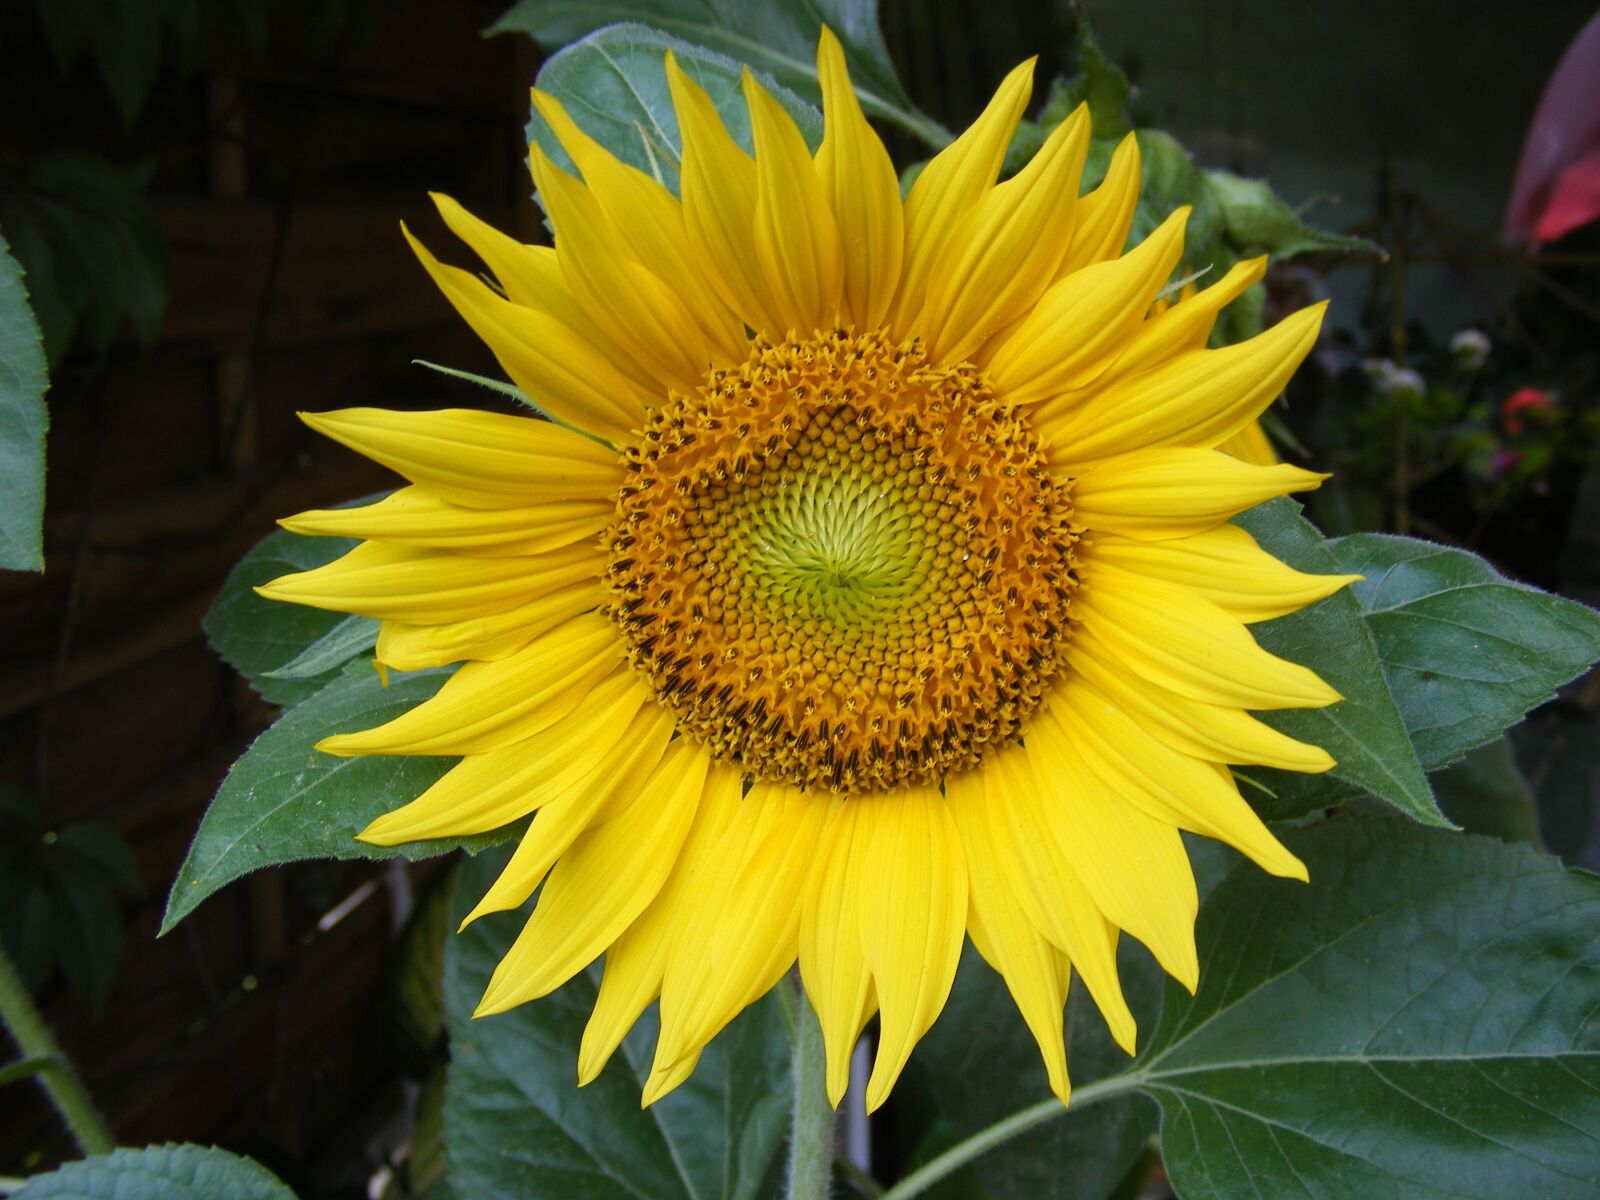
x: 870, y: 585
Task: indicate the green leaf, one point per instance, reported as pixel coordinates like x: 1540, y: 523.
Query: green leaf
x: 517, y: 1124
x: 614, y: 85
x: 1256, y: 220
x: 784, y: 48
x: 169, y: 1172
x: 1096, y: 81
x: 284, y: 800
x: 86, y: 930
x: 348, y: 638
x: 981, y: 1064
x: 1418, y: 1023
x: 258, y: 636
x: 1486, y: 793
x: 1466, y: 651
x: 1364, y: 732
x: 23, y: 420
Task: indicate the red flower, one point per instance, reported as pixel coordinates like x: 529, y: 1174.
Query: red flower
x: 1522, y: 398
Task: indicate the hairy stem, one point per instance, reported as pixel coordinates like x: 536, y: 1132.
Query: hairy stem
x: 811, y: 1126
x: 54, y: 1072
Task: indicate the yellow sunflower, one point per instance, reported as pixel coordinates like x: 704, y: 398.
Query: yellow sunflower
x: 870, y: 586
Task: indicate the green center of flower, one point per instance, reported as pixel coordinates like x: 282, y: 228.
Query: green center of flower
x: 842, y: 566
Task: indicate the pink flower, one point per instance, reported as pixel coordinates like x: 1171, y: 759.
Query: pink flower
x: 1523, y: 398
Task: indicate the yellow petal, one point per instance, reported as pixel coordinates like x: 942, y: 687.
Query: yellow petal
x: 531, y: 277
x: 1218, y: 733
x: 1081, y: 323
x: 1176, y: 788
x: 1196, y: 399
x: 485, y: 706
x: 1133, y: 865
x: 636, y: 960
x: 408, y: 647
x: 1047, y: 888
x: 403, y: 584
x: 479, y: 459
x: 953, y: 181
x: 1105, y: 214
x: 416, y: 516
x: 1251, y: 445
x: 747, y: 930
x: 1036, y: 972
x: 1177, y: 491
x: 486, y: 791
x: 1226, y: 566
x: 859, y: 179
x: 634, y: 308
x: 833, y: 965
x: 650, y: 219
x: 717, y: 181
x: 577, y: 804
x: 561, y: 372
x: 913, y: 910
x: 608, y: 876
x: 797, y: 238
x: 1176, y: 638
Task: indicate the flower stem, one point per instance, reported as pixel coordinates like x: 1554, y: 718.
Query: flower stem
x: 963, y: 1152
x: 55, y: 1073
x: 811, y: 1126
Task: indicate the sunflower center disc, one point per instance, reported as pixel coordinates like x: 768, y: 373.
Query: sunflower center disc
x: 843, y: 566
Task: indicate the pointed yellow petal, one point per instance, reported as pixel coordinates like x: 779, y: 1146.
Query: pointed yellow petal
x: 1177, y: 491
x: 833, y: 965
x: 1134, y: 866
x: 1048, y: 890
x: 1036, y: 972
x: 1217, y: 733
x: 913, y: 901
x: 1007, y: 249
x: 404, y: 584
x: 1179, y: 640
x: 486, y: 791
x: 408, y: 647
x: 561, y: 373
x: 1082, y: 322
x: 747, y: 932
x: 1187, y: 325
x: 663, y: 1079
x: 479, y: 459
x: 1196, y: 399
x: 531, y: 277
x: 485, y: 706
x: 1251, y: 445
x: 952, y: 182
x: 414, y: 516
x: 579, y: 805
x: 1226, y: 566
x: 636, y: 961
x: 1105, y: 214
x: 609, y: 876
x: 650, y: 219
x: 797, y: 238
x: 635, y: 309
x: 859, y: 179
x: 718, y: 183
x: 1172, y: 787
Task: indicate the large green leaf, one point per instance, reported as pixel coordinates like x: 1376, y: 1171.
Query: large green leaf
x: 1365, y: 732
x: 284, y: 801
x: 22, y: 424
x: 260, y: 637
x: 1419, y: 1022
x: 614, y: 85
x: 168, y: 1172
x: 783, y: 46
x: 516, y: 1123
x: 980, y: 1063
x: 1466, y: 651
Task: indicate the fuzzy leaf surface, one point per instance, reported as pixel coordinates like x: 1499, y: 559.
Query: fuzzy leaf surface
x: 170, y: 1172
x: 22, y: 423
